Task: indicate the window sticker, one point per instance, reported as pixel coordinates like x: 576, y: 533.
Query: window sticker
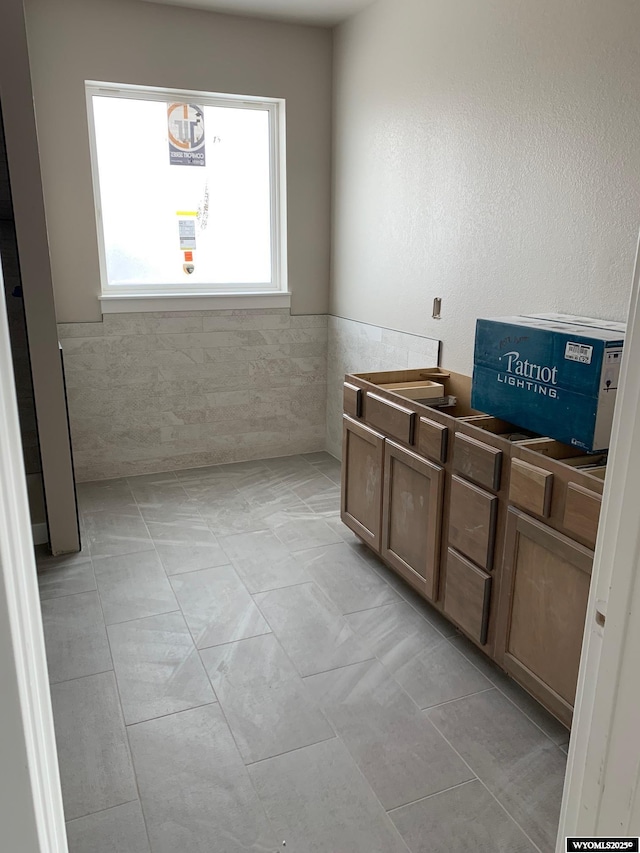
x: 186, y: 135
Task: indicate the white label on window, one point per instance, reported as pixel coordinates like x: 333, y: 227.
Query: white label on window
x: 187, y: 230
x: 578, y: 352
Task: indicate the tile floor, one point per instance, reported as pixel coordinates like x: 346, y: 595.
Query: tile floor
x: 231, y: 670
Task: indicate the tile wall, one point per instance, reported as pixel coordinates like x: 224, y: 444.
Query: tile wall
x: 164, y: 391
x: 358, y: 347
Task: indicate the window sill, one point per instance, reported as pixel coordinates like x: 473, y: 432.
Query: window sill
x: 194, y: 302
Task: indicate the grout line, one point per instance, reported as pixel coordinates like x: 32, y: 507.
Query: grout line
x: 479, y: 778
x: 80, y: 677
x: 102, y: 811
x: 338, y: 668
x: 290, y: 751
x: 435, y: 794
x: 68, y: 594
x: 457, y: 698
x: 142, y: 618
x: 171, y: 713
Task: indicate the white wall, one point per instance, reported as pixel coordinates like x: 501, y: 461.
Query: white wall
x: 126, y: 41
x: 487, y: 153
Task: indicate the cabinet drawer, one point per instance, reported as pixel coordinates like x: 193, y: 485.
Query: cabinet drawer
x: 582, y: 512
x: 530, y: 487
x: 391, y: 418
x: 352, y: 400
x: 472, y: 522
x: 432, y: 439
x: 477, y: 461
x: 467, y: 596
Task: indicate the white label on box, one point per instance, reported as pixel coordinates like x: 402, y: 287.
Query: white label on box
x: 578, y: 352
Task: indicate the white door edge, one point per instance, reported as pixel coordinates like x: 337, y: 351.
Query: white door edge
x: 601, y: 786
x: 31, y: 808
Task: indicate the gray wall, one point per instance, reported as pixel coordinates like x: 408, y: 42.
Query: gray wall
x: 125, y: 41
x: 487, y: 153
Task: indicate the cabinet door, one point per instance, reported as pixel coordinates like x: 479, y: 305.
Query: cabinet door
x: 543, y: 610
x: 362, y: 465
x: 412, y: 516
x: 472, y: 522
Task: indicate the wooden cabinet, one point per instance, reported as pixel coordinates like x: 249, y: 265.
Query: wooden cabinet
x: 543, y: 607
x: 493, y: 528
x: 362, y: 469
x: 412, y: 516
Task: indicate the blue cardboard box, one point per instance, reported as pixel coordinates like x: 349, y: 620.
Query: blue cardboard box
x: 551, y: 374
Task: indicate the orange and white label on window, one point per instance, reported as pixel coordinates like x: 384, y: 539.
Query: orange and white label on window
x: 186, y: 134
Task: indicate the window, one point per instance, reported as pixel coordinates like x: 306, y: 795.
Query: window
x: 189, y: 192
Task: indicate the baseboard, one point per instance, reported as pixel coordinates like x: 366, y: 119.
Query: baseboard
x: 40, y: 533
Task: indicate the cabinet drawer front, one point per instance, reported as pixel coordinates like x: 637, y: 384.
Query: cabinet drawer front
x: 352, y: 400
x: 467, y: 596
x: 472, y: 522
x: 432, y: 439
x: 391, y: 418
x: 477, y: 461
x: 582, y: 512
x: 412, y: 516
x: 530, y: 487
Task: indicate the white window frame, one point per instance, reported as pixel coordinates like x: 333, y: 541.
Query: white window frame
x: 128, y: 298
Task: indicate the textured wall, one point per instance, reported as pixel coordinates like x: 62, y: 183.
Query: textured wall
x: 487, y: 153
x: 125, y: 41
x: 358, y: 348
x: 164, y: 391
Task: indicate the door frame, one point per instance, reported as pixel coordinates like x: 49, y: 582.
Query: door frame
x: 31, y: 809
x: 602, y: 785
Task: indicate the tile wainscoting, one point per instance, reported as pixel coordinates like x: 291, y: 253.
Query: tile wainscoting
x: 164, y: 391
x: 153, y: 392
x: 358, y: 347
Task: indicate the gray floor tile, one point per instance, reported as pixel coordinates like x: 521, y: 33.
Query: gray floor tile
x: 217, y: 607
x: 552, y: 727
x: 75, y: 636
x: 117, y: 830
x: 195, y: 791
x: 329, y: 465
x: 160, y: 478
x: 266, y: 703
x: 395, y: 633
x: 106, y: 495
x: 166, y: 502
x: 318, y: 802
x: 514, y: 759
x: 349, y: 582
x: 314, y: 486
x: 304, y: 533
x: 402, y: 758
x: 133, y: 586
x: 464, y: 818
x: 76, y: 576
x: 420, y: 658
x: 439, y: 674
x: 230, y: 514
x: 186, y: 546
x: 110, y: 534
x: 282, y: 509
x: 157, y: 667
x: 311, y: 629
x: 95, y: 765
x: 263, y: 562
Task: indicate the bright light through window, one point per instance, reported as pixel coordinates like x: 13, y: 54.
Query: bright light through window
x: 179, y: 215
